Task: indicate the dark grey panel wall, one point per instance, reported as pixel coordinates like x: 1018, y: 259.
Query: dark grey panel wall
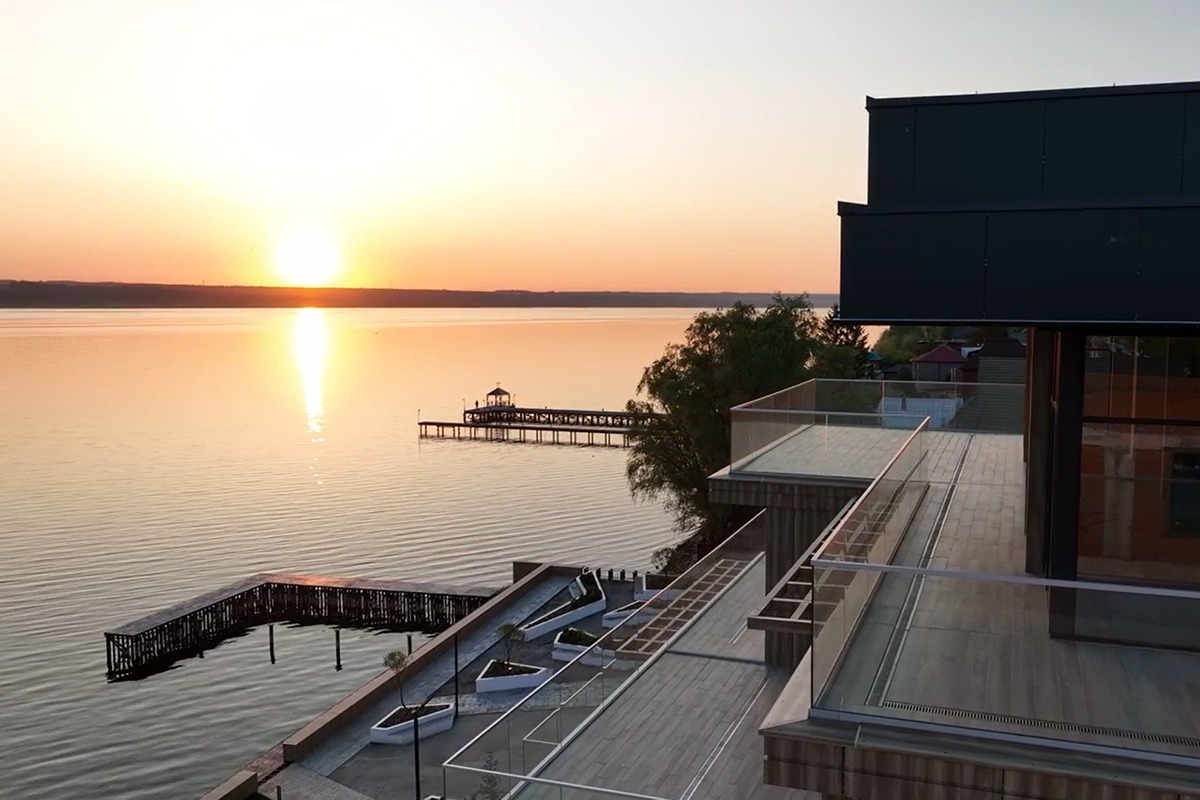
x: 1052, y: 265
x: 890, y: 159
x: 1080, y: 148
x: 1170, y: 265
x: 1113, y: 146
x: 1191, y: 147
x: 912, y: 264
x: 1124, y: 265
x: 976, y: 152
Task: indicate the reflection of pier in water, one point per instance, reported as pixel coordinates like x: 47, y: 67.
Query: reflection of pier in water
x: 153, y: 643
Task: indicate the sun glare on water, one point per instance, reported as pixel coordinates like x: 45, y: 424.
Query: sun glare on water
x: 307, y: 256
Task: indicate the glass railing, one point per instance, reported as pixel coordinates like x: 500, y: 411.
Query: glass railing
x: 802, y: 442
x: 512, y: 752
x: 968, y: 407
x: 869, y: 533
x: 1010, y: 656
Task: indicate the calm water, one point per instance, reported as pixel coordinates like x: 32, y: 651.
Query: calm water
x: 149, y: 456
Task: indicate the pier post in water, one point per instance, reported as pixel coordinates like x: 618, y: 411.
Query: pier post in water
x: 271, y: 639
x: 337, y: 648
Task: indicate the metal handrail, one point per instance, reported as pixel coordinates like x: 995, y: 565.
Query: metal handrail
x: 817, y: 556
x: 630, y: 620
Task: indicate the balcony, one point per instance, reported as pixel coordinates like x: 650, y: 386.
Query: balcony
x: 921, y: 615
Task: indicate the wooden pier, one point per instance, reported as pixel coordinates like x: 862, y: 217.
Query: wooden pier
x: 556, y: 417
x: 545, y: 434
x: 507, y: 423
x: 154, y: 642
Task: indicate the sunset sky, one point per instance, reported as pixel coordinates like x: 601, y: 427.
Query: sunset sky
x: 540, y: 145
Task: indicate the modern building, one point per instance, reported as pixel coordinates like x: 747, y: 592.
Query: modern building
x: 976, y: 591
x: 1013, y: 614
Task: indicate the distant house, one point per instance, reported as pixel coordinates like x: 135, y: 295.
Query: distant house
x: 939, y: 364
x: 999, y: 360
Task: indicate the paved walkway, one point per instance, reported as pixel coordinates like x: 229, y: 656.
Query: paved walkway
x: 299, y: 783
x: 354, y: 737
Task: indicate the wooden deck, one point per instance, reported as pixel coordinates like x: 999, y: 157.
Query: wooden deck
x: 829, y: 451
x: 155, y: 641
x: 686, y: 727
x: 977, y: 654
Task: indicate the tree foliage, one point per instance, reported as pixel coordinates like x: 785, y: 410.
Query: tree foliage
x: 844, y: 348
x: 510, y: 636
x: 727, y: 357
x: 396, y: 661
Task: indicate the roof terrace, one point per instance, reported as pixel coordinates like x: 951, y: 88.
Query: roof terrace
x: 924, y: 627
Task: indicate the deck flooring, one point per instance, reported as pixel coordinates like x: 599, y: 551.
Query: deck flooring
x: 978, y: 654
x: 686, y: 727
x: 830, y: 451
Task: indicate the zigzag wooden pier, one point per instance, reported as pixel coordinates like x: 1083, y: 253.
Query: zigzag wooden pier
x: 156, y: 641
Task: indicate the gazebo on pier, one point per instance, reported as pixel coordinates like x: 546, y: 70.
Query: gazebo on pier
x: 498, y: 397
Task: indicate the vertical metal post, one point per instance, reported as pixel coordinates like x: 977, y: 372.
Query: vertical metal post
x: 337, y: 648
x: 417, y: 756
x: 456, y: 676
x: 271, y: 639
x: 409, y: 643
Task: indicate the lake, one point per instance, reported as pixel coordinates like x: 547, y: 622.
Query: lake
x: 150, y: 456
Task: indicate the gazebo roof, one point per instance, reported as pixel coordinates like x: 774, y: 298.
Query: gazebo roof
x: 498, y: 392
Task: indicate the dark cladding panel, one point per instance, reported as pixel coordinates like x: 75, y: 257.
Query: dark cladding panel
x: 1103, y: 147
x: 1170, y: 276
x: 979, y: 151
x: 1191, y: 147
x: 1062, y: 265
x: 912, y: 267
x: 890, y: 155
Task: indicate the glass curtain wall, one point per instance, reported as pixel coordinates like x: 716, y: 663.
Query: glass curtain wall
x: 1140, y: 460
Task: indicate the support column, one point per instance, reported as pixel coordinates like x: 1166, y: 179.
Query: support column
x: 1039, y: 449
x: 1063, y: 540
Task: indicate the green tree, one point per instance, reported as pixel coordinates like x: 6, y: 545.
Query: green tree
x: 844, y: 350
x: 727, y: 357
x: 510, y: 636
x: 396, y: 661
x: 489, y: 786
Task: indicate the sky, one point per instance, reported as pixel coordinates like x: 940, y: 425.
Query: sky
x: 647, y: 145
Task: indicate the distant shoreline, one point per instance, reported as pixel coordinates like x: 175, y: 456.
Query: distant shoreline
x: 70, y: 294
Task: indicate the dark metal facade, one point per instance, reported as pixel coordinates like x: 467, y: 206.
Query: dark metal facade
x: 1070, y: 207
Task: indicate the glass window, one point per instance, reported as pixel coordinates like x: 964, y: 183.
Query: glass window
x: 1184, y: 511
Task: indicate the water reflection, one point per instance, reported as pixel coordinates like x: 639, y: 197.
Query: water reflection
x: 310, y: 345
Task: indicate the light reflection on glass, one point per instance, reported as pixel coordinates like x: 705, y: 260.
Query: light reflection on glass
x: 310, y: 345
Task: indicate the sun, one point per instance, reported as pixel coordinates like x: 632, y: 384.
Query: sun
x: 307, y: 256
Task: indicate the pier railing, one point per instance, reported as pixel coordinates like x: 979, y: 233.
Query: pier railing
x: 155, y: 642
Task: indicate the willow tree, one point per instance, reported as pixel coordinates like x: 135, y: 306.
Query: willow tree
x: 727, y: 357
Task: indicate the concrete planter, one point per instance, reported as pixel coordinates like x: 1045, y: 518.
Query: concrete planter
x: 503, y: 683
x: 566, y: 615
x: 636, y: 609
x: 430, y: 724
x: 564, y: 651
x: 640, y: 592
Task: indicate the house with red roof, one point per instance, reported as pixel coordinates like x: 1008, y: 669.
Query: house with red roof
x: 939, y: 364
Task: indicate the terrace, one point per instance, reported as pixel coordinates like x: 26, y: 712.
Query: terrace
x: 924, y: 626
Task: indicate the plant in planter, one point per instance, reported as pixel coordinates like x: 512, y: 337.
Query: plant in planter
x: 510, y: 636
x: 577, y: 637
x: 589, y: 600
x: 407, y: 724
x: 500, y: 674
